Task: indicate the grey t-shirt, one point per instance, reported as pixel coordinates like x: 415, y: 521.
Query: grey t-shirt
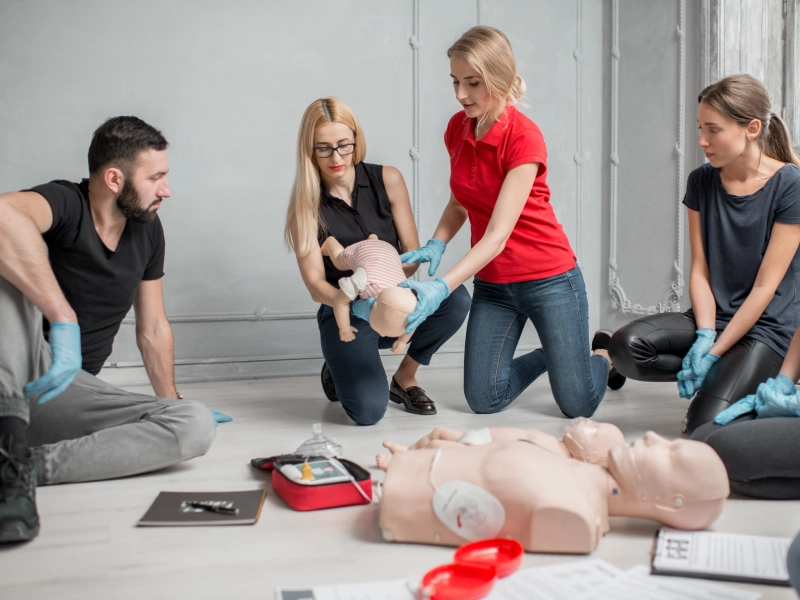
x: 736, y: 231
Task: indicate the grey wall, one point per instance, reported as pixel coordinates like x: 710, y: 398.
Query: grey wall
x: 651, y: 86
x: 228, y: 82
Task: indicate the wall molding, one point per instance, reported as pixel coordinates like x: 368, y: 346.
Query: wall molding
x: 415, y: 152
x: 620, y: 300
x: 712, y: 49
x: 261, y: 314
x: 132, y: 373
x: 791, y: 79
x: 579, y: 157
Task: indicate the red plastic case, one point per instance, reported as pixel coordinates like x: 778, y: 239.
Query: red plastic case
x: 327, y: 495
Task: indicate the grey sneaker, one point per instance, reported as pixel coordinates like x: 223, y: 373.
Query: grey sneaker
x: 19, y: 520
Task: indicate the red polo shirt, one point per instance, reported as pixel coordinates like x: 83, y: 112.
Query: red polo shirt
x: 538, y: 247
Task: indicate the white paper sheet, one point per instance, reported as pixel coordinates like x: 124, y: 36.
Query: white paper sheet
x: 590, y: 579
x: 397, y: 589
x: 725, y: 554
x: 566, y: 581
x: 638, y: 584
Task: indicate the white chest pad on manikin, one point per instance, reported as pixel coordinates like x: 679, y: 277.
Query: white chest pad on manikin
x: 466, y: 509
x: 355, y: 284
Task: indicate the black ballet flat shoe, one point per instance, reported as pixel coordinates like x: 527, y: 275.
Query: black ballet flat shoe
x: 414, y: 399
x: 327, y: 384
x: 602, y: 341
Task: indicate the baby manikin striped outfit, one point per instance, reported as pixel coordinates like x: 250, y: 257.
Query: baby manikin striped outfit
x: 375, y: 264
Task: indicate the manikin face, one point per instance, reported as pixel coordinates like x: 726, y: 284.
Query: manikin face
x: 658, y: 470
x: 470, y: 89
x: 335, y: 168
x: 591, y: 440
x: 722, y: 139
x: 143, y: 192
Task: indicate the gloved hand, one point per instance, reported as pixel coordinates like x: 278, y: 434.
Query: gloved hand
x: 220, y: 417
x: 429, y: 253
x: 430, y: 294
x: 362, y: 308
x: 774, y: 398
x: 696, y: 363
x: 690, y: 380
x: 65, y: 342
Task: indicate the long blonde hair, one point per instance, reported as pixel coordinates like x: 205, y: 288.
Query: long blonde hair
x: 488, y: 51
x: 744, y: 98
x: 302, y: 216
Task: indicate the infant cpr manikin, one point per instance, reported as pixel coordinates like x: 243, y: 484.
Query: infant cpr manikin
x: 550, y: 495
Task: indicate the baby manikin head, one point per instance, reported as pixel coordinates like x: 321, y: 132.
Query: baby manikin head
x: 389, y: 316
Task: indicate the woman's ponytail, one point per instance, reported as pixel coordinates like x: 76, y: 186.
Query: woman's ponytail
x: 517, y: 90
x: 777, y: 141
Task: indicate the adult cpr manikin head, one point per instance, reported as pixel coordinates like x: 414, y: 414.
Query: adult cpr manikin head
x: 680, y: 482
x: 390, y: 312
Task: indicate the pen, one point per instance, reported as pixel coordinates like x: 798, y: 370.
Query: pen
x: 209, y: 506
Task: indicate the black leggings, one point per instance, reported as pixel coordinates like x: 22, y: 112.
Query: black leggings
x: 653, y: 347
x: 761, y: 455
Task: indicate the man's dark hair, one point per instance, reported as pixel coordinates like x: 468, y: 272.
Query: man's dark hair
x: 119, y: 141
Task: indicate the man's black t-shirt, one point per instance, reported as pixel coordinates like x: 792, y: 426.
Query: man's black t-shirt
x: 99, y: 284
x: 371, y: 213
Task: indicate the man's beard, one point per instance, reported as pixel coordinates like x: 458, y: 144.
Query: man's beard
x: 129, y: 203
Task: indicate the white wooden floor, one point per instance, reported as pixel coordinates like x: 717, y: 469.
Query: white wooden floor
x: 89, y: 547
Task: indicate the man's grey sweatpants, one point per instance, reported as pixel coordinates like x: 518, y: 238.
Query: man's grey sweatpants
x: 93, y: 430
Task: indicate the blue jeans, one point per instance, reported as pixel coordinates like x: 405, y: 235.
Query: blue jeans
x: 558, y: 308
x: 356, y: 366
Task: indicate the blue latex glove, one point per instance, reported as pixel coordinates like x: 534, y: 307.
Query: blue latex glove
x: 220, y: 417
x: 690, y: 380
x: 695, y: 365
x: 65, y: 342
x: 774, y: 398
x: 362, y: 308
x: 429, y: 253
x: 430, y: 294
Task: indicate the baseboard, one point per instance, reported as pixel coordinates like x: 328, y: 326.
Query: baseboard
x: 258, y: 367
x: 250, y: 368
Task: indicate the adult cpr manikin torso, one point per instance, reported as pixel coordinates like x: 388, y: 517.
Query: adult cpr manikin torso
x: 542, y: 492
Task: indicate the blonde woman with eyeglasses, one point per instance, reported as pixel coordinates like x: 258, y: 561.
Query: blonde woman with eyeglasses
x: 336, y: 194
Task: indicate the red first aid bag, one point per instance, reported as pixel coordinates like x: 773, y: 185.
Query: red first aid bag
x: 329, y: 488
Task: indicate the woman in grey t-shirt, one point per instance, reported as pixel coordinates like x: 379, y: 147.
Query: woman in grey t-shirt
x: 744, y: 226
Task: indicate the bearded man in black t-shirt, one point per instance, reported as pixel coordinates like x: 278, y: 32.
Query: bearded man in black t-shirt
x: 61, y: 305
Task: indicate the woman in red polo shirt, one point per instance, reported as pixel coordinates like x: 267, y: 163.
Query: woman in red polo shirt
x: 521, y: 260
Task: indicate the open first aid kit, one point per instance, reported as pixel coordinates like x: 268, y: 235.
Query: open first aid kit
x: 314, y: 477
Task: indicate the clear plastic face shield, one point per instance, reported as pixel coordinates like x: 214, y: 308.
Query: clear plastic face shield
x: 579, y: 436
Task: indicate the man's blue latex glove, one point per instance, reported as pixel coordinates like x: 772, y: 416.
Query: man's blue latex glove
x: 695, y: 365
x: 65, y: 342
x: 362, y: 308
x: 429, y: 253
x: 774, y: 398
x: 220, y: 417
x: 430, y: 294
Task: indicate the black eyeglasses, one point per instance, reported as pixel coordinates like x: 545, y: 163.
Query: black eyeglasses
x: 327, y: 151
